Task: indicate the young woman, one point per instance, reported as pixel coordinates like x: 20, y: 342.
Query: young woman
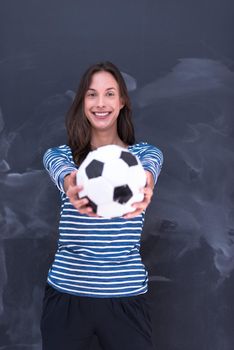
x: 97, y: 283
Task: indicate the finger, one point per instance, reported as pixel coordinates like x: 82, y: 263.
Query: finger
x: 73, y: 177
x: 143, y: 203
x: 82, y: 205
x: 88, y: 211
x: 133, y: 214
x: 148, y: 193
x: 140, y: 204
x: 73, y: 191
x: 78, y: 203
x: 147, y: 189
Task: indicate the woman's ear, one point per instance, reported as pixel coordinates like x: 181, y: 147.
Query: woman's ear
x: 122, y: 104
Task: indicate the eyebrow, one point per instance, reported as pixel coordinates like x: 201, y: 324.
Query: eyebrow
x: 111, y: 88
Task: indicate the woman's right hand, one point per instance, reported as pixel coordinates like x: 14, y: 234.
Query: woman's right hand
x: 72, y: 191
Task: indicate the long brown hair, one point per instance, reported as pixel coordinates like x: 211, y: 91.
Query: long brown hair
x: 78, y: 126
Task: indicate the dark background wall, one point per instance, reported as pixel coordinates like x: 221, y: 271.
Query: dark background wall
x: 177, y: 59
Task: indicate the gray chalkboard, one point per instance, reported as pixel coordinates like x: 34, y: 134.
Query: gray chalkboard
x: 177, y: 59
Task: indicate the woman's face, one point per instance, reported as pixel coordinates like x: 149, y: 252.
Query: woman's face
x: 102, y: 102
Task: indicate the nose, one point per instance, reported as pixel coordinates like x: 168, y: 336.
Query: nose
x: 100, y: 101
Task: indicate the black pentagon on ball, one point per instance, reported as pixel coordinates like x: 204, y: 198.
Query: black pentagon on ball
x: 91, y: 204
x: 94, y: 169
x: 129, y: 158
x: 122, y: 194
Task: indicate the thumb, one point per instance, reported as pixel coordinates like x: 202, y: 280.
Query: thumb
x: 73, y: 178
x: 147, y: 178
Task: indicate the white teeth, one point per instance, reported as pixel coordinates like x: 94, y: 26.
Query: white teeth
x: 102, y: 114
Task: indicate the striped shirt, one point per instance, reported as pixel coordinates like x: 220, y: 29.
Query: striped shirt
x: 98, y: 257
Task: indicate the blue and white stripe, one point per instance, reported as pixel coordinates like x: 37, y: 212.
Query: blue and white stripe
x: 98, y: 257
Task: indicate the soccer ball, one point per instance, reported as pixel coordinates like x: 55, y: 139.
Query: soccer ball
x: 111, y: 177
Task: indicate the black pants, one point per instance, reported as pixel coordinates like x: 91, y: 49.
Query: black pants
x: 69, y: 322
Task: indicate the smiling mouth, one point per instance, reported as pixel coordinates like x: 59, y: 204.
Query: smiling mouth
x: 101, y: 114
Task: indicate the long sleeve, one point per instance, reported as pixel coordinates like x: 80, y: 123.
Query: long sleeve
x: 152, y: 159
x: 58, y: 162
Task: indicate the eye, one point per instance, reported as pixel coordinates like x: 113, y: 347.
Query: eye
x: 91, y: 94
x: 110, y: 93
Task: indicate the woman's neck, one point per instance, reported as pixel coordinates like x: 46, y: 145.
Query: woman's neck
x: 103, y: 140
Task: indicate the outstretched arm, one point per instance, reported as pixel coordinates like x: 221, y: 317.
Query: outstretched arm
x: 148, y: 193
x: 58, y: 164
x: 62, y: 171
x: 72, y: 191
x: 152, y: 159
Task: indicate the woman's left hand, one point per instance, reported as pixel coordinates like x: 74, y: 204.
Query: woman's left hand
x: 148, y: 193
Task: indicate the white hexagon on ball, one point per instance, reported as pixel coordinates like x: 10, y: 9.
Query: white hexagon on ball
x: 116, y: 166
x: 100, y: 191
